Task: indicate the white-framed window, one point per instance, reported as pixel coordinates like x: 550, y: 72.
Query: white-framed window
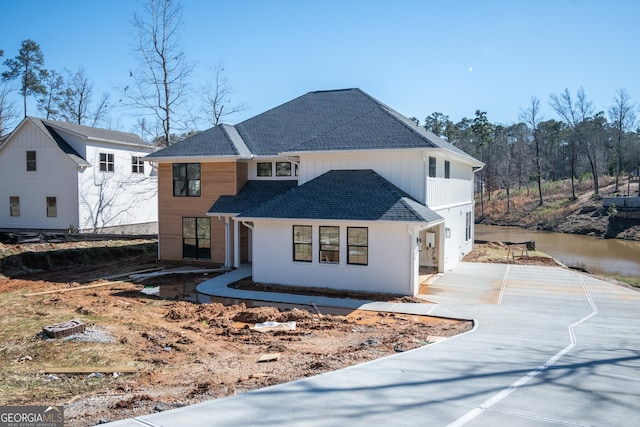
x: 432, y: 167
x: 106, y: 162
x: 302, y: 246
x: 196, y: 238
x: 14, y: 205
x: 467, y: 228
x: 358, y: 245
x: 137, y: 164
x: 329, y: 244
x: 447, y: 169
x: 52, y: 206
x: 31, y: 161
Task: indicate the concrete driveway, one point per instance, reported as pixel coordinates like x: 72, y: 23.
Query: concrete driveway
x: 551, y: 347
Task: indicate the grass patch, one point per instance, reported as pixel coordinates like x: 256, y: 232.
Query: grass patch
x: 633, y: 281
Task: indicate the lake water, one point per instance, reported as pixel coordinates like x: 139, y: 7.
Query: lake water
x: 599, y: 256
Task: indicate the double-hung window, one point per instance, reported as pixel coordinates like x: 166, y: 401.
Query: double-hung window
x: 447, y: 169
x: 467, y: 228
x: 31, y: 161
x: 196, y: 238
x: 52, y: 207
x: 106, y: 162
x: 358, y: 245
x: 137, y: 164
x: 186, y: 179
x: 302, y: 246
x: 14, y: 205
x: 432, y: 167
x: 330, y: 244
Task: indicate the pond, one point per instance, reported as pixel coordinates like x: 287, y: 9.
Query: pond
x: 595, y: 255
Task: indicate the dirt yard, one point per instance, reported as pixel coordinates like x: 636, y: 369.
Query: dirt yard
x: 142, y: 353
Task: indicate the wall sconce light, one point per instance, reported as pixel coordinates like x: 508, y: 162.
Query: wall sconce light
x: 447, y: 232
x: 419, y: 243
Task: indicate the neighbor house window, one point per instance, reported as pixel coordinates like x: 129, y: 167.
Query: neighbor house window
x: 432, y: 167
x: 358, y: 245
x: 14, y: 205
x: 186, y: 179
x: 283, y: 169
x: 106, y: 162
x: 330, y: 244
x: 264, y: 169
x: 447, y: 169
x: 196, y: 238
x: 137, y: 165
x: 52, y: 207
x: 302, y: 243
x: 31, y: 161
x: 467, y: 227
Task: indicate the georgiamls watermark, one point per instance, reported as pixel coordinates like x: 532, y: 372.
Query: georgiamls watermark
x: 31, y: 416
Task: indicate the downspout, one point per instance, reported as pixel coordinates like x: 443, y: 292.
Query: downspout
x: 412, y: 260
x: 226, y: 240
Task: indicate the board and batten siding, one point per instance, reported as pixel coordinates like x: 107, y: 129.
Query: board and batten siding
x: 55, y: 176
x: 217, y: 179
x: 455, y: 190
x: 404, y: 169
x: 121, y: 197
x: 388, y: 269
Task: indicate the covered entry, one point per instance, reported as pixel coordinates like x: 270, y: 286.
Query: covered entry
x: 431, y: 249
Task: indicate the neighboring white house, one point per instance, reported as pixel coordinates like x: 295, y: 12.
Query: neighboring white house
x: 63, y: 176
x: 332, y: 189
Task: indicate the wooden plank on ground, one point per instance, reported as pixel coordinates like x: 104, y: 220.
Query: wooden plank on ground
x: 85, y: 370
x: 77, y: 288
x: 268, y: 357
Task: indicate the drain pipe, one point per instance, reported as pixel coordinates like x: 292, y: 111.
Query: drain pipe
x: 412, y: 259
x: 227, y: 262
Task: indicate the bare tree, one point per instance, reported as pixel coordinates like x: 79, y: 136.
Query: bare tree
x: 161, y: 80
x: 623, y: 119
x: 77, y: 103
x: 531, y: 116
x: 49, y: 102
x: 8, y: 112
x: 217, y: 98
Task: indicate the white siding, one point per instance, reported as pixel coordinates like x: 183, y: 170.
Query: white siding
x: 455, y: 190
x: 405, y: 169
x: 389, y: 269
x: 121, y: 197
x: 55, y: 176
x: 456, y: 246
x: 253, y: 169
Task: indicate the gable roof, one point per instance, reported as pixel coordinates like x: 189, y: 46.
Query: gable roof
x: 358, y: 195
x: 98, y: 134
x: 334, y: 120
x: 66, y: 148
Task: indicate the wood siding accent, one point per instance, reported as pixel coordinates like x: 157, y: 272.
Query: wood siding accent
x: 219, y: 178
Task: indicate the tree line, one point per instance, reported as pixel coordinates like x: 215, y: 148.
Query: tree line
x: 159, y: 88
x: 579, y: 143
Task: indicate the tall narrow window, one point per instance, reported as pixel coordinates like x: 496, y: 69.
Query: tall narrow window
x: 52, y: 207
x: 447, y: 169
x: 467, y: 228
x: 432, y: 167
x: 31, y: 161
x: 283, y: 169
x: 196, y: 238
x: 14, y: 205
x: 264, y: 169
x: 186, y: 179
x: 137, y: 164
x: 302, y: 243
x: 358, y: 245
x: 330, y: 244
x: 106, y: 162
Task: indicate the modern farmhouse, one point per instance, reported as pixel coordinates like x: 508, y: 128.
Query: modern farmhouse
x: 331, y: 189
x: 57, y: 176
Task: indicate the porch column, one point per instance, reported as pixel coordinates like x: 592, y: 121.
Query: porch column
x: 227, y: 242
x: 236, y: 244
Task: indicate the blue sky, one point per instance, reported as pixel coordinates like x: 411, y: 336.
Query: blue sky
x: 416, y: 56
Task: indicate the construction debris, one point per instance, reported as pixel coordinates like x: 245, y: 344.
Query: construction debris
x: 268, y: 357
x: 64, y: 329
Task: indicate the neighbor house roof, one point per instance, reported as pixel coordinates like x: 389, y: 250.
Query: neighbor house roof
x: 95, y: 133
x: 334, y: 120
x: 358, y: 195
x: 66, y: 148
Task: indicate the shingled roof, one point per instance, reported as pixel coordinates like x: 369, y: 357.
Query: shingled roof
x: 254, y: 193
x: 109, y: 135
x: 334, y: 120
x: 358, y: 195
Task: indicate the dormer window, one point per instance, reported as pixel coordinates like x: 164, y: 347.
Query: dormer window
x: 264, y: 169
x: 283, y: 168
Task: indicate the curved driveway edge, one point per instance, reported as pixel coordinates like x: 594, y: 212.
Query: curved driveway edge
x: 551, y: 347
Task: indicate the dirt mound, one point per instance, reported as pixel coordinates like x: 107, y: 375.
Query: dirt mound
x: 258, y: 315
x: 184, y: 310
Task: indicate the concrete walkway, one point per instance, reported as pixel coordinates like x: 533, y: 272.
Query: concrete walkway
x: 551, y: 347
